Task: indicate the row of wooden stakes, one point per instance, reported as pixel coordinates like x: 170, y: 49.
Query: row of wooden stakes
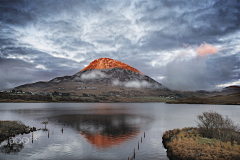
x: 133, y: 157
x: 48, y: 134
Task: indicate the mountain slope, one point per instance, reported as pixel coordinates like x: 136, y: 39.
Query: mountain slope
x: 122, y: 80
x: 95, y: 79
x: 106, y: 79
x: 107, y: 76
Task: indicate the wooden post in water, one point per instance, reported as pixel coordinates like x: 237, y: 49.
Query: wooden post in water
x: 138, y: 145
x: 32, y: 137
x: 144, y: 134
x: 62, y: 129
x: 141, y: 139
x: 134, y: 153
x: 48, y: 133
x: 128, y: 158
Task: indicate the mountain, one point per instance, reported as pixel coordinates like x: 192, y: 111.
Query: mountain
x: 109, y: 71
x: 103, y: 76
x: 108, y: 80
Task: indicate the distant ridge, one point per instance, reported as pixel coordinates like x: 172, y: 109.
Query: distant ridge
x: 233, y: 87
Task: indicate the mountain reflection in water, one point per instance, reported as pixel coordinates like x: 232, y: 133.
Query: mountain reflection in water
x: 105, y: 131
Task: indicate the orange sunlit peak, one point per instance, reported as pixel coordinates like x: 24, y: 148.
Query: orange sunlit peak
x: 105, y: 63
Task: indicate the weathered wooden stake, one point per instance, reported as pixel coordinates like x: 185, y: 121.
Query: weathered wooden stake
x: 144, y: 134
x: 134, y: 153
x: 141, y: 139
x: 128, y: 158
x: 138, y: 145
x: 48, y: 133
x: 32, y: 137
x: 62, y: 129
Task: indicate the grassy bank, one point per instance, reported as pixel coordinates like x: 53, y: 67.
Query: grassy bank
x: 188, y: 144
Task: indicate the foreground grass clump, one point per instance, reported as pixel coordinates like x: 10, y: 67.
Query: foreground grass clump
x: 187, y: 143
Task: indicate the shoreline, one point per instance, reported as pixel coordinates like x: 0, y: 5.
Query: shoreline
x: 231, y: 99
x: 117, y: 102
x: 110, y: 101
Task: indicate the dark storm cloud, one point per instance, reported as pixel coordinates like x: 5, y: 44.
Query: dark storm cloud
x: 15, y: 13
x: 201, y: 73
x: 42, y: 58
x: 11, y: 72
x: 35, y: 65
x: 49, y: 38
x: 191, y: 22
x: 6, y: 41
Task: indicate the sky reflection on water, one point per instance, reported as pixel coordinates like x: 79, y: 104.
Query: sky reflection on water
x: 102, y: 130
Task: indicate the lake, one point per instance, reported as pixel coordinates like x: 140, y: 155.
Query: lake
x: 101, y: 130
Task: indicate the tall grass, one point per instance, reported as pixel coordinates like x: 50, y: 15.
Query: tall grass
x: 184, y: 145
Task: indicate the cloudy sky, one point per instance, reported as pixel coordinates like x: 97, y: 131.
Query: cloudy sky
x: 185, y: 45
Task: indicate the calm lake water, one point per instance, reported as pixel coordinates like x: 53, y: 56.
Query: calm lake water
x: 101, y: 130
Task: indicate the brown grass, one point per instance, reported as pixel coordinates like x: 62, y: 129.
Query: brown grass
x: 184, y: 145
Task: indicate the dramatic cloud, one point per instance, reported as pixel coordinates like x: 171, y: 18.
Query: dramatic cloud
x: 49, y: 38
x: 200, y: 73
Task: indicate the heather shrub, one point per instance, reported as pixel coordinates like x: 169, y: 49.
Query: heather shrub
x: 214, y: 125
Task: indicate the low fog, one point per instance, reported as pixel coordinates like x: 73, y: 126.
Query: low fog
x: 132, y: 84
x: 93, y: 75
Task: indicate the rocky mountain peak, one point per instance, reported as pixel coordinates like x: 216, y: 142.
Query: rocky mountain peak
x: 105, y: 63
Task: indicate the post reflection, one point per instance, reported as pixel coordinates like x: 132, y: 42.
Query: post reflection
x: 12, y: 147
x: 104, y: 131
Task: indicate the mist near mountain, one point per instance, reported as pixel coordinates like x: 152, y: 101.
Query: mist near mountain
x: 93, y: 75
x: 201, y: 72
x: 132, y: 84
